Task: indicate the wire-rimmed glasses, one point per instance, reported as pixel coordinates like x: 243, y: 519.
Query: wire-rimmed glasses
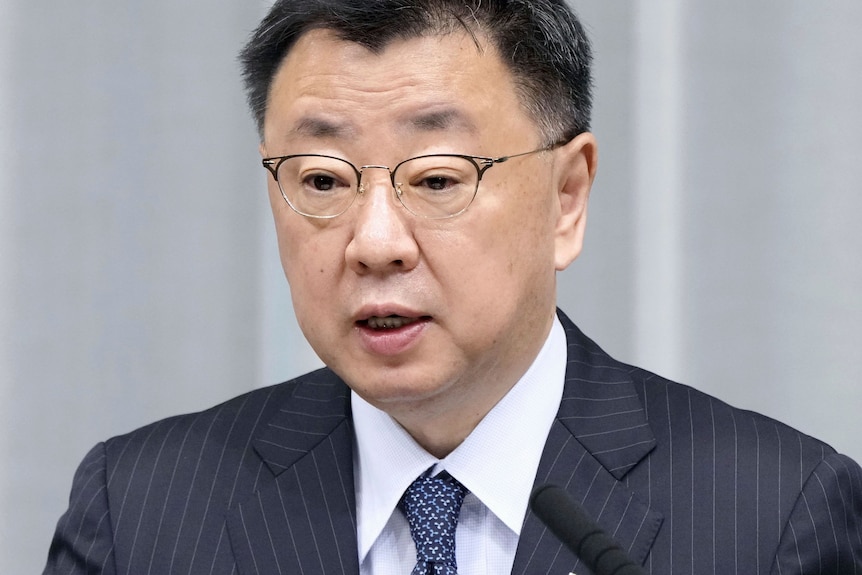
x: 433, y: 186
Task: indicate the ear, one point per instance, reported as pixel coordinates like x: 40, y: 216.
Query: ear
x: 575, y: 171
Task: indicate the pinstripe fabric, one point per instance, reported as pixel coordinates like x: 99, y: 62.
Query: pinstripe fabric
x: 688, y: 484
x: 246, y: 487
x: 263, y: 484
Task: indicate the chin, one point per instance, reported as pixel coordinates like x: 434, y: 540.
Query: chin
x: 392, y: 387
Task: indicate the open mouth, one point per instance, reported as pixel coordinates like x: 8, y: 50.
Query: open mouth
x: 389, y: 321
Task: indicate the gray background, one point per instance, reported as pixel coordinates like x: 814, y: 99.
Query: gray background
x: 139, y: 276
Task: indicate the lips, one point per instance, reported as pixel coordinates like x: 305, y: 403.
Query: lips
x: 390, y: 331
x: 385, y: 316
x: 389, y: 321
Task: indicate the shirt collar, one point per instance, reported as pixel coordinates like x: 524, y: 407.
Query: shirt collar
x: 497, y: 462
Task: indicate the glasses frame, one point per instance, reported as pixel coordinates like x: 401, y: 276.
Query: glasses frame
x: 481, y: 163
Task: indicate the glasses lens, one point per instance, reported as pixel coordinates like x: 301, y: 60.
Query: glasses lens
x: 317, y: 185
x: 437, y: 186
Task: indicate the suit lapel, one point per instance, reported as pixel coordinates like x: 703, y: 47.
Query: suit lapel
x: 301, y: 518
x: 600, y: 433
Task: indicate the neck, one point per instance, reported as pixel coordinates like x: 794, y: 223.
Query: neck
x: 442, y: 421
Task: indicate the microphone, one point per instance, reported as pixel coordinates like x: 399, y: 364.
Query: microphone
x: 570, y: 523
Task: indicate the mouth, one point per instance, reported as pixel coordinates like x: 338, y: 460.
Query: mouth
x: 390, y: 331
x: 389, y: 322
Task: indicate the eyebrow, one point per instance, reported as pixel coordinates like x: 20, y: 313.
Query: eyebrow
x: 440, y: 120
x: 431, y: 121
x: 321, y: 128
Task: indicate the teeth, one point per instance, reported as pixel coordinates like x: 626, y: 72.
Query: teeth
x: 389, y: 322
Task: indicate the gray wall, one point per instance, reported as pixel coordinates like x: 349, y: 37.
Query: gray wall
x: 138, y: 270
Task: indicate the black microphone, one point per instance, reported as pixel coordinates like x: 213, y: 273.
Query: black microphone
x: 570, y: 523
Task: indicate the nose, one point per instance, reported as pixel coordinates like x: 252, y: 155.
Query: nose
x: 383, y: 240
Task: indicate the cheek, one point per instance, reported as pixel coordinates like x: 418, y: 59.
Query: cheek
x: 517, y: 258
x: 313, y: 286
x: 309, y: 260
x: 497, y: 263
x: 307, y: 264
x: 520, y: 236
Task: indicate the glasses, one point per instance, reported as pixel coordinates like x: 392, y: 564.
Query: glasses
x: 433, y: 186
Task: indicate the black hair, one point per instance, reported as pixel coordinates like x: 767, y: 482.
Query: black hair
x: 541, y: 41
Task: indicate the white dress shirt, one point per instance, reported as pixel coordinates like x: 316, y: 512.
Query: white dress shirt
x: 497, y: 463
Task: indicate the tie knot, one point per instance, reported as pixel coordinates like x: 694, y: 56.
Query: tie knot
x: 432, y: 506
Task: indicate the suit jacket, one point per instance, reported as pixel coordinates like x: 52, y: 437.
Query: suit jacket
x: 263, y: 484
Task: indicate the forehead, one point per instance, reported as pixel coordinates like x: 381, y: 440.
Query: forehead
x: 327, y: 87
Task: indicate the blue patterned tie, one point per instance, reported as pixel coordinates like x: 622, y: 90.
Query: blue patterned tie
x: 432, y: 505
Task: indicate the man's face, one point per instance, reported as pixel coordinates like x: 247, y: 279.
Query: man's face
x: 472, y: 296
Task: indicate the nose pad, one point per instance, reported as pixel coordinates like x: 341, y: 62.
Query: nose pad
x: 396, y: 189
x: 363, y: 187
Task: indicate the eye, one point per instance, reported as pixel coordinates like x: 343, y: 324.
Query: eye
x: 437, y: 183
x: 435, y: 177
x: 436, y: 180
x: 322, y: 183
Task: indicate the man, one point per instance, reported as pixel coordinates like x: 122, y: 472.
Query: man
x: 430, y: 167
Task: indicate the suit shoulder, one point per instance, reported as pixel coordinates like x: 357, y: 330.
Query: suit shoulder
x: 673, y: 406
x: 226, y: 426
x: 676, y: 408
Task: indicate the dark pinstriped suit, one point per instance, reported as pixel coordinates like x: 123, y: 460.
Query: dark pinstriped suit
x: 264, y: 484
